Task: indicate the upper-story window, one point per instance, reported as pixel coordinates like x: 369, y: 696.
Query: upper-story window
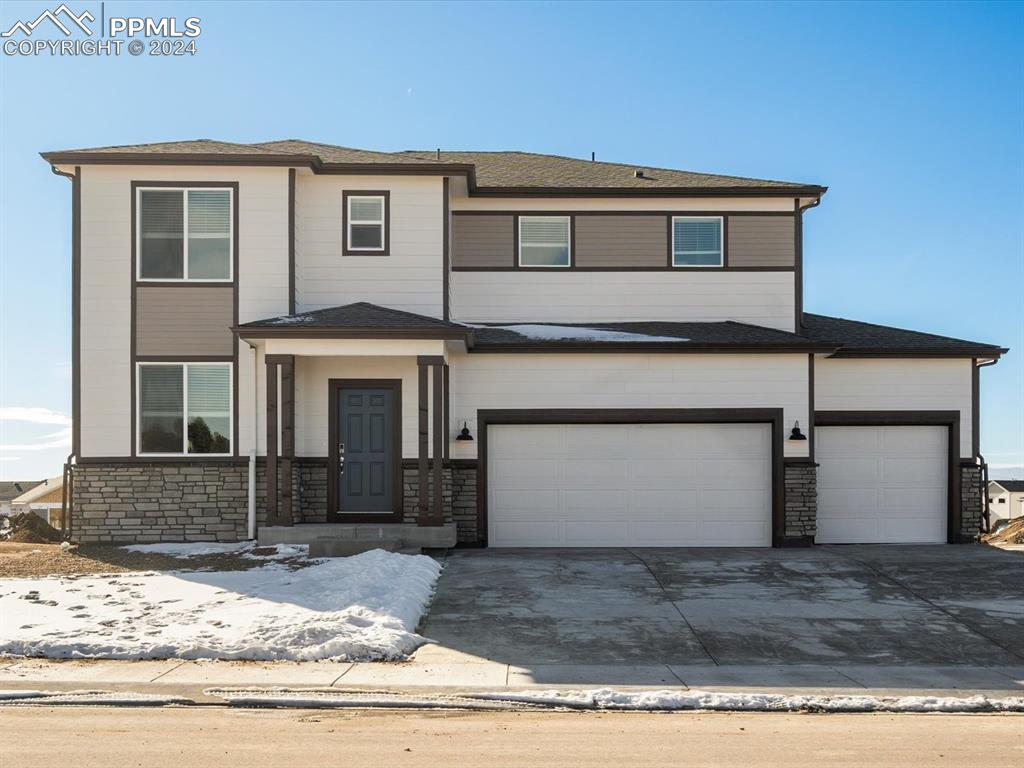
x: 366, y: 223
x: 184, y: 408
x: 697, y: 241
x: 185, y: 234
x: 544, y: 241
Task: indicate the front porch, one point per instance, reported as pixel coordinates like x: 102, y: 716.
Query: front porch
x: 355, y: 429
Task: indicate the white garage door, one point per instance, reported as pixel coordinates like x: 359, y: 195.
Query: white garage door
x: 615, y: 485
x: 881, y: 485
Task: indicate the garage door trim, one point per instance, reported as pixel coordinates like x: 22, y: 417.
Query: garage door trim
x: 948, y: 419
x: 772, y: 416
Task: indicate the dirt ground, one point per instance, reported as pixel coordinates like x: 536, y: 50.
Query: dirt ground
x: 199, y: 737
x: 21, y: 560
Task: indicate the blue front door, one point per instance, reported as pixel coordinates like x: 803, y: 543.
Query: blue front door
x: 366, y: 450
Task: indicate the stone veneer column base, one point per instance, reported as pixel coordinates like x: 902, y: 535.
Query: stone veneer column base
x: 801, y: 503
x: 970, y: 502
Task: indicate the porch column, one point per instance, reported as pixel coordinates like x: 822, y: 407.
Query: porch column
x: 280, y: 454
x: 272, y: 517
x: 430, y: 514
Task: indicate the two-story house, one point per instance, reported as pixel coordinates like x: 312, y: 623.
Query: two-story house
x: 294, y: 340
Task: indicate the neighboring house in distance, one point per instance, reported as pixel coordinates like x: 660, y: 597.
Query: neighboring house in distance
x: 12, y: 489
x: 45, y: 500
x: 1005, y: 500
x: 292, y: 340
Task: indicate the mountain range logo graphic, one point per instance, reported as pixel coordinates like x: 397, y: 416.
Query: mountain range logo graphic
x: 55, y: 16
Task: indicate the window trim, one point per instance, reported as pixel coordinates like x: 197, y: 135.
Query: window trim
x: 672, y: 242
x: 346, y: 223
x: 519, y: 240
x: 184, y: 364
x: 184, y: 189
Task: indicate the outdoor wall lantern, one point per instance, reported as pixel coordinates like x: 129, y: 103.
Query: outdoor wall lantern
x: 464, y: 434
x: 796, y: 434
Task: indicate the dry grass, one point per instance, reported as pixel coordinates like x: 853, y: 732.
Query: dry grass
x: 21, y: 560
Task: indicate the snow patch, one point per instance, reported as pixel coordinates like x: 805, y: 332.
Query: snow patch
x: 608, y: 698
x: 104, y: 698
x: 245, y: 549
x: 574, y: 333
x: 364, y: 607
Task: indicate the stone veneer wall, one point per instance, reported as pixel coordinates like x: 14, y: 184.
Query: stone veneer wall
x: 970, y: 501
x: 801, y: 502
x: 143, y: 502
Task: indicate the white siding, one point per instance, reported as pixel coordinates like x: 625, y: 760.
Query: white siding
x: 896, y: 385
x: 628, y: 380
x: 409, y: 279
x: 311, y: 398
x: 106, y: 283
x: 760, y: 298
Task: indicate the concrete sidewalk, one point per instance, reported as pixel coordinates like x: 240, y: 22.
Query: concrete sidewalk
x: 439, y: 669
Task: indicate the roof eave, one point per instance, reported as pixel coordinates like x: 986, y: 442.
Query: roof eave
x: 664, y: 346
x: 291, y: 332
x: 738, y: 191
x: 935, y: 352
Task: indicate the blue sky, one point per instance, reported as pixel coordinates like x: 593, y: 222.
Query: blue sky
x: 912, y: 114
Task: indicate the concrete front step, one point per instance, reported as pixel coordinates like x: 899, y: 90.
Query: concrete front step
x: 409, y: 536
x: 331, y: 547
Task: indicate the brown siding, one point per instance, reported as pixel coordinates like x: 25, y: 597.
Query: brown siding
x: 762, y: 241
x: 184, y: 320
x: 621, y: 241
x: 483, y: 241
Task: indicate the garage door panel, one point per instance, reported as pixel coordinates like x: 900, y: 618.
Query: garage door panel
x: 881, y: 485
x: 629, y: 485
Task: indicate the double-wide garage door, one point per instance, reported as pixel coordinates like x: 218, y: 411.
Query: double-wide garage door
x: 882, y: 485
x: 614, y: 485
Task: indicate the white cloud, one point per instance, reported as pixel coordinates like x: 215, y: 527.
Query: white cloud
x: 34, y: 416
x: 61, y: 439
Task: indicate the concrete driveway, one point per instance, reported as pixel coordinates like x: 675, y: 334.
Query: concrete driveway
x: 864, y: 608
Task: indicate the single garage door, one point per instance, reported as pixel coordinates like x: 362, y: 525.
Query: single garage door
x: 882, y: 485
x: 616, y: 485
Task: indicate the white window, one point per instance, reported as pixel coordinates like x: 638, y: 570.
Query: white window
x: 366, y: 229
x: 544, y: 241
x: 697, y: 241
x: 184, y: 409
x: 184, y: 234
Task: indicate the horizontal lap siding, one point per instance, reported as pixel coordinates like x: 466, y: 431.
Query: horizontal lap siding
x: 896, y: 385
x: 761, y: 298
x: 483, y: 241
x: 762, y: 241
x: 410, y: 278
x: 621, y: 241
x: 182, y: 320
x: 630, y: 380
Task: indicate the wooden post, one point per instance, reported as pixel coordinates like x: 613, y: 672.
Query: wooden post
x: 288, y: 506
x: 424, y: 505
x: 272, y: 516
x: 437, y: 513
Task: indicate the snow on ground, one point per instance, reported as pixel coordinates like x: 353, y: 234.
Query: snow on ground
x: 185, y: 551
x: 575, y: 333
x: 364, y: 607
x: 608, y: 698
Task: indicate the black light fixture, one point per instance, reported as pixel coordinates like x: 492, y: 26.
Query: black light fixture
x: 464, y: 434
x: 796, y: 434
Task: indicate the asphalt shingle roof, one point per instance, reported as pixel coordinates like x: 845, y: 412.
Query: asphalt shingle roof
x: 360, y: 315
x: 12, y: 489
x: 1013, y: 486
x: 857, y: 336
x: 491, y: 170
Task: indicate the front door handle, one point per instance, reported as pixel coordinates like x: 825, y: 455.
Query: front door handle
x: 341, y: 458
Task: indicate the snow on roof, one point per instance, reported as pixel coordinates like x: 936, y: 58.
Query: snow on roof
x: 575, y: 333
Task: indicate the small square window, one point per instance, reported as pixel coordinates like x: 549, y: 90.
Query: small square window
x: 696, y: 241
x: 366, y: 223
x: 544, y: 241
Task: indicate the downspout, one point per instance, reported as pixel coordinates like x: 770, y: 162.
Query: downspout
x: 252, y: 448
x: 67, y: 497
x: 986, y: 516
